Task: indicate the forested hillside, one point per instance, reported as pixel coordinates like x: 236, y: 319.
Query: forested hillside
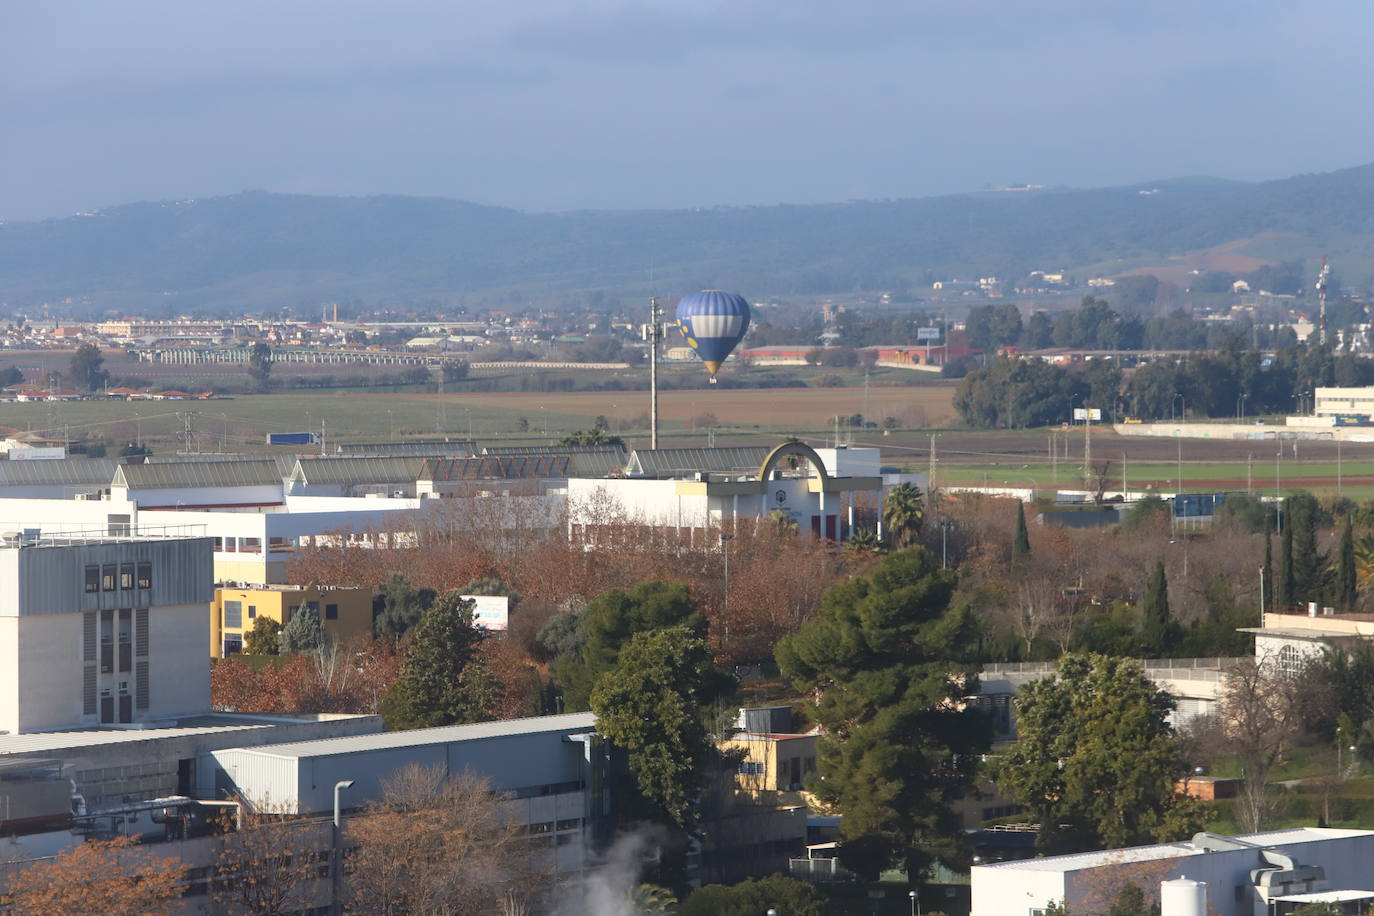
x: 256, y: 249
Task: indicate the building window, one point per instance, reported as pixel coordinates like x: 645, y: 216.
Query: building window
x: 92, y: 579
x: 748, y: 768
x: 252, y: 611
x: 145, y: 575
x: 331, y: 612
x: 233, y: 615
x: 107, y: 578
x: 126, y: 576
x: 1290, y: 660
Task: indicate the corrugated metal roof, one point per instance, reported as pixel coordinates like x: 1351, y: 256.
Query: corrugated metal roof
x: 198, y: 474
x: 670, y: 462
x: 428, y: 448
x: 587, y: 460
x: 354, y: 744
x: 285, y: 463
x: 357, y: 471
x: 66, y: 471
x: 496, y: 467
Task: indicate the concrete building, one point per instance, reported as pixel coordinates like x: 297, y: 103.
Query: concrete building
x: 1252, y: 875
x: 345, y: 611
x: 552, y: 769
x: 1289, y: 641
x: 102, y: 630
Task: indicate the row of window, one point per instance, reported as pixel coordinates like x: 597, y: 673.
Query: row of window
x: 233, y: 613
x: 118, y: 577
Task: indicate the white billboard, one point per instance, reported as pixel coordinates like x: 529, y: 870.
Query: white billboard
x: 492, y: 611
x: 1088, y: 413
x: 927, y: 334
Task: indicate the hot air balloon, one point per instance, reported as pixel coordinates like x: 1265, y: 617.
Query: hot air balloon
x: 713, y: 322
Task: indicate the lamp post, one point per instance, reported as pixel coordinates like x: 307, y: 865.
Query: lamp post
x: 915, y: 902
x: 1182, y: 408
x: 772, y: 912
x: 1240, y: 406
x: 945, y: 525
x: 336, y: 859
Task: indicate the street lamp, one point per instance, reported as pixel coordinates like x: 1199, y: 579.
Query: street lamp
x: 1240, y: 406
x: 772, y: 912
x: 336, y: 860
x: 915, y: 903
x: 1183, y: 407
x: 1071, y: 400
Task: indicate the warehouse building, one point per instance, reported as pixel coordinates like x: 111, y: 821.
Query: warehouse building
x: 551, y: 769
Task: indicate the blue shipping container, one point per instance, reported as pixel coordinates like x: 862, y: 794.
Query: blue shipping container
x: 293, y: 438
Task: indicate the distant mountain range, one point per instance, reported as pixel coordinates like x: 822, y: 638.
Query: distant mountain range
x: 258, y: 250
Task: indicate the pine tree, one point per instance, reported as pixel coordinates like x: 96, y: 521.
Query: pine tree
x: 1288, y: 586
x: 1020, y: 544
x: 1157, y: 628
x: 304, y: 632
x: 443, y: 680
x: 1345, y: 573
x: 882, y: 657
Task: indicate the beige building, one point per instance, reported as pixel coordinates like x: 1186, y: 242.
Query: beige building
x: 102, y: 630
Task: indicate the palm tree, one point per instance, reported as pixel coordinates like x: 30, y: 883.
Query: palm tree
x: 1364, y: 560
x: 864, y: 540
x: 903, y: 512
x: 782, y: 522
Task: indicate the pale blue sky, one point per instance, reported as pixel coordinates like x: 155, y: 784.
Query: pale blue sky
x: 546, y: 105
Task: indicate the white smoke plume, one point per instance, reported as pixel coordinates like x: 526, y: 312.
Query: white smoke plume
x: 608, y: 887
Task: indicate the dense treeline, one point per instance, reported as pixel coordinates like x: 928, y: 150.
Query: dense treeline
x: 1097, y: 325
x: 1232, y: 382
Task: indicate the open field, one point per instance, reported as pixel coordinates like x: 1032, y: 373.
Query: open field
x: 1021, y: 459
x: 1002, y: 458
x: 244, y: 421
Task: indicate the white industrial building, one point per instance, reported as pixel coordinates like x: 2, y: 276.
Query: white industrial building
x: 697, y: 493
x: 102, y: 630
x: 1261, y: 874
x: 551, y: 770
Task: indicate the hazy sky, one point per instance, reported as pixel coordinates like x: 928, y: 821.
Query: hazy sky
x: 546, y: 105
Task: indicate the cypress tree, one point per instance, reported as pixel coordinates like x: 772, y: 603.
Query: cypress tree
x: 1288, y: 586
x: 1268, y: 568
x: 1157, y: 628
x: 1308, y: 564
x: 1020, y: 545
x: 1345, y: 571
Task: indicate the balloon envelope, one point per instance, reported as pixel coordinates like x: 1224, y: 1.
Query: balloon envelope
x: 713, y: 322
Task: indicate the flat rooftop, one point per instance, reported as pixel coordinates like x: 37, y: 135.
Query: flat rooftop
x: 1083, y: 860
x: 184, y: 727
x: 355, y: 744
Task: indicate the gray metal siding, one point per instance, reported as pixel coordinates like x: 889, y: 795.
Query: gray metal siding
x: 51, y: 579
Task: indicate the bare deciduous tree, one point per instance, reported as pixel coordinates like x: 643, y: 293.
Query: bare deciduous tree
x: 1261, y: 716
x: 438, y: 845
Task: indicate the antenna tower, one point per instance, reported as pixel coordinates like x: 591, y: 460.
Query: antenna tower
x: 1323, y: 276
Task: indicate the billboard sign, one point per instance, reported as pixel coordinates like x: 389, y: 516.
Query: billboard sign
x: 492, y: 611
x: 925, y: 334
x: 1087, y: 413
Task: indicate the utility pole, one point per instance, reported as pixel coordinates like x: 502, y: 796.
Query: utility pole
x: 1054, y: 460
x: 1087, y: 445
x: 1250, y: 475
x: 930, y: 475
x: 1123, y: 477
x: 655, y: 329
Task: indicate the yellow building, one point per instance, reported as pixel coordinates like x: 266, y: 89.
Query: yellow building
x: 773, y: 762
x: 345, y: 612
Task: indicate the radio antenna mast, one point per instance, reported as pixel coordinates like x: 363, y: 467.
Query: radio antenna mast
x: 1323, y: 277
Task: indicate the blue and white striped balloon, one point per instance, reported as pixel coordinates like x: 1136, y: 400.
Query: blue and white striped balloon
x: 713, y: 322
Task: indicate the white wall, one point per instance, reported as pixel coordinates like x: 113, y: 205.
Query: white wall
x: 178, y: 662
